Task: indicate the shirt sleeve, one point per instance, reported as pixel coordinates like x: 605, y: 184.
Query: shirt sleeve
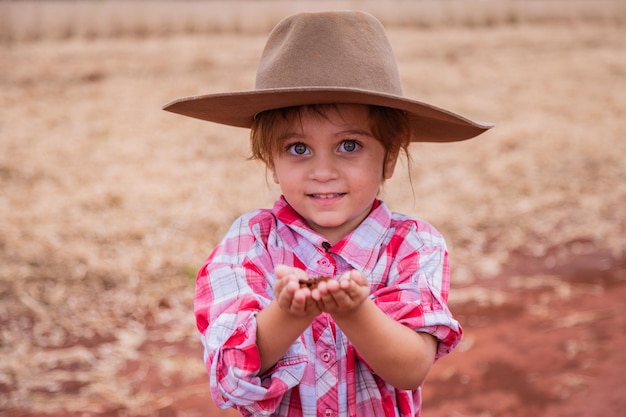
x: 233, y: 285
x: 417, y: 287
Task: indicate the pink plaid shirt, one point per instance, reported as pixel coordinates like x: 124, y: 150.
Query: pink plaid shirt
x: 322, y: 374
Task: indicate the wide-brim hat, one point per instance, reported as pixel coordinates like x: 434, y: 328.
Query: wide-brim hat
x: 328, y: 57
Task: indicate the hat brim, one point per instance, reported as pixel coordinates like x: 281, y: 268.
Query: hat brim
x: 429, y: 123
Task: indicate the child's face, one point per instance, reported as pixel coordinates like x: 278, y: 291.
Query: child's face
x: 330, y: 169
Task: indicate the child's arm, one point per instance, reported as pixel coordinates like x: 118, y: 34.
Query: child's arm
x: 399, y: 355
x: 285, y: 318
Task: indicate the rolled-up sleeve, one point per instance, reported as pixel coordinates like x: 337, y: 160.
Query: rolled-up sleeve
x: 233, y: 285
x: 233, y: 363
x: 417, y: 290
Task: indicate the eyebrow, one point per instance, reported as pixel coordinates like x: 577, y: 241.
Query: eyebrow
x: 359, y: 132
x: 294, y: 134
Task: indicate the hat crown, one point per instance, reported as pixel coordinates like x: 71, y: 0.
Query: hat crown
x: 328, y: 57
x: 329, y: 49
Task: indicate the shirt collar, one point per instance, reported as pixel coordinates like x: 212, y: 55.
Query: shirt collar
x: 360, y: 248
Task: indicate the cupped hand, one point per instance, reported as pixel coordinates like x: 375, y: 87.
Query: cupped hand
x: 290, y: 297
x: 342, y: 296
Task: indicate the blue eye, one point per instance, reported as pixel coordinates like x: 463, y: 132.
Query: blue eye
x: 298, y: 148
x: 349, y: 145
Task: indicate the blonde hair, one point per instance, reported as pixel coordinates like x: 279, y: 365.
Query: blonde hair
x: 389, y: 126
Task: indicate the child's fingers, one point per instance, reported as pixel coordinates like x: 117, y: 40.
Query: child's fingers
x: 282, y: 271
x: 287, y: 277
x: 354, y: 283
x: 299, y: 301
x: 295, y: 300
x: 328, y: 303
x: 332, y: 296
x: 342, y: 295
x: 355, y: 276
x: 289, y: 295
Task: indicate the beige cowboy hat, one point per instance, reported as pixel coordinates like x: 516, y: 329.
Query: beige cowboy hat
x: 328, y: 57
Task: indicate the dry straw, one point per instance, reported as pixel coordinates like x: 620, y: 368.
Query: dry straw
x: 29, y: 20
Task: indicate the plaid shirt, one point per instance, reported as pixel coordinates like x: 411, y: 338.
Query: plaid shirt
x: 321, y: 374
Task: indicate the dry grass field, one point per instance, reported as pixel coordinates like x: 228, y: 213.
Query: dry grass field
x: 108, y: 205
x: 62, y: 19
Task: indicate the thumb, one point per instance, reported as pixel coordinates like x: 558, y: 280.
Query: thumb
x: 282, y: 271
x: 358, y: 277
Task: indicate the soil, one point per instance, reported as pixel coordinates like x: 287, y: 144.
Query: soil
x: 554, y: 347
x: 109, y: 206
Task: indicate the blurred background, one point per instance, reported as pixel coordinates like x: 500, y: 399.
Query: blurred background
x: 109, y: 205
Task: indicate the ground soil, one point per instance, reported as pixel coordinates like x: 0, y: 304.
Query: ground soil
x: 109, y: 205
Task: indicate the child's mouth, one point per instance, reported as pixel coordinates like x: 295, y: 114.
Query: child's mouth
x: 327, y: 196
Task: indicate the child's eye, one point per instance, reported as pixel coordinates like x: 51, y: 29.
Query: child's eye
x: 349, y: 146
x: 298, y: 148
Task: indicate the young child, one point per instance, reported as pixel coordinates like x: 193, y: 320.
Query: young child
x: 328, y: 304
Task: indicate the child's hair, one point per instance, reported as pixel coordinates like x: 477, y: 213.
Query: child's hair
x: 389, y: 126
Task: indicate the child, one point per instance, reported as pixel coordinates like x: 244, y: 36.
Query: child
x: 329, y: 304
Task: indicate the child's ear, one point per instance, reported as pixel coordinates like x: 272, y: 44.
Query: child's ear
x: 390, y: 165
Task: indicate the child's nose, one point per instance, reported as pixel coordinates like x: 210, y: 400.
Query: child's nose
x: 325, y: 168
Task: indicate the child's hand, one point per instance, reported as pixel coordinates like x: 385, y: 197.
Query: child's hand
x: 289, y: 296
x: 344, y: 295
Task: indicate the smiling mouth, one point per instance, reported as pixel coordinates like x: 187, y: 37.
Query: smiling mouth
x: 326, y: 196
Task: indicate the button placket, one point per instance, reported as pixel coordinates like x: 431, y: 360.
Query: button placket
x: 325, y: 266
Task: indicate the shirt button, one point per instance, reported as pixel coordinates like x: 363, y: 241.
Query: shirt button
x: 325, y: 356
x: 322, y: 261
x: 328, y: 413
